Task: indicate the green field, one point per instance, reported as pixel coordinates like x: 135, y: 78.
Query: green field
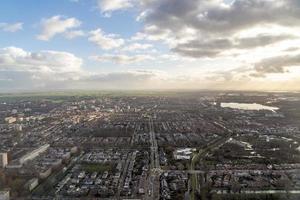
x: 99, y: 168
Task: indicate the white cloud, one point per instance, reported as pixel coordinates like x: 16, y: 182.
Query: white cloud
x: 74, y: 34
x: 188, y: 23
x: 137, y: 47
x: 108, y: 6
x: 23, y: 70
x: 11, y: 27
x: 36, y: 70
x: 13, y: 58
x: 105, y: 41
x: 122, y: 59
x: 57, y: 25
x: 154, y: 33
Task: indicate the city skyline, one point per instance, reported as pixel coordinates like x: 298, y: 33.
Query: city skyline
x: 149, y: 44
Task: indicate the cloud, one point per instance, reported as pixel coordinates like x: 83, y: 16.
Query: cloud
x: 137, y: 47
x: 233, y: 34
x: 122, y: 59
x: 108, y: 6
x: 228, y: 75
x: 105, y: 41
x: 53, y: 70
x: 31, y: 70
x: 216, y: 17
x: 11, y: 27
x: 153, y: 33
x: 215, y: 47
x: 23, y: 70
x: 198, y: 28
x: 74, y: 34
x: 52, y: 62
x: 57, y: 25
x: 291, y: 49
x: 134, y: 75
x: 278, y: 64
x: 130, y: 79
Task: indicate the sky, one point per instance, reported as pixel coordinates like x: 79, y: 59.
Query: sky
x: 149, y: 44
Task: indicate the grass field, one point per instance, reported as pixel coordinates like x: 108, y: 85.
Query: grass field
x: 99, y: 168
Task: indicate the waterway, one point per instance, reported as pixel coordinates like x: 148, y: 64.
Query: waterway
x: 248, y: 106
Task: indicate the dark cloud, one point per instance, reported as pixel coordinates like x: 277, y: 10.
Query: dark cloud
x: 211, y: 19
x: 260, y: 41
x: 213, y: 16
x: 195, y: 52
x: 212, y: 48
x: 278, y: 64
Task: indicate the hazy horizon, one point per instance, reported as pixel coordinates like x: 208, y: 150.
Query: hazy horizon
x: 87, y: 91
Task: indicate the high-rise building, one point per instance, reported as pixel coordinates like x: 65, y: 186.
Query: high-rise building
x: 3, y: 160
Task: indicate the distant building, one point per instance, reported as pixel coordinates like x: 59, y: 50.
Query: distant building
x: 3, y: 160
x: 183, y: 154
x: 74, y: 150
x: 33, y: 154
x: 20, y: 119
x: 14, y: 165
x: 18, y: 127
x: 45, y: 173
x: 4, y: 195
x: 274, y: 114
x: 32, y: 183
x: 10, y: 120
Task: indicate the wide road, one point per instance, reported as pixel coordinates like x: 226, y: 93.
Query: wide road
x: 155, y: 170
x: 123, y: 175
x: 215, y: 144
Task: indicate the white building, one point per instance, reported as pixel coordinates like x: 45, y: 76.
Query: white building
x: 20, y: 119
x: 33, y: 154
x: 10, y: 120
x: 3, y: 160
x: 31, y: 184
x: 183, y: 154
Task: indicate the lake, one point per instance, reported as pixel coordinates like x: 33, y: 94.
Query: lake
x: 248, y: 106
